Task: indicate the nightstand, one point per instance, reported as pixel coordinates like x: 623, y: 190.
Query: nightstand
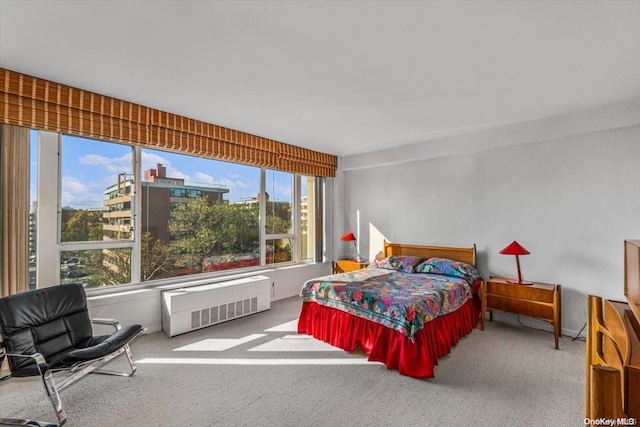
x: 540, y: 300
x: 344, y: 265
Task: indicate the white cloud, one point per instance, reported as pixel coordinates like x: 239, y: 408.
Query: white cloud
x: 73, y: 185
x: 151, y: 160
x: 93, y: 159
x: 204, y: 178
x: 82, y: 194
x: 175, y: 173
x: 111, y: 164
x: 236, y: 185
x: 82, y: 200
x: 280, y: 192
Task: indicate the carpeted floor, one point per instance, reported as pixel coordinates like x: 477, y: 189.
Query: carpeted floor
x: 257, y: 371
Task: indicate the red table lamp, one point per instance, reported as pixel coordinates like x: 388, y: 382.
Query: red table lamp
x: 350, y: 237
x: 516, y: 249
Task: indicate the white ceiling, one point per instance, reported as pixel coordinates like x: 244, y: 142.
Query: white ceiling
x: 339, y: 77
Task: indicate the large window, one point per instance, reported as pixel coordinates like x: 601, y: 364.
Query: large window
x: 131, y: 215
x: 197, y: 215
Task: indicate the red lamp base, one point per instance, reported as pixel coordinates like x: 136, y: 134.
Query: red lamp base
x: 524, y: 282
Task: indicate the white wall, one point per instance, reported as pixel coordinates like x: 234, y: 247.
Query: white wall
x: 567, y: 188
x: 143, y: 306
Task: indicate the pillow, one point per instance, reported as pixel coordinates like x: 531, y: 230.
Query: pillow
x: 403, y: 263
x: 448, y: 267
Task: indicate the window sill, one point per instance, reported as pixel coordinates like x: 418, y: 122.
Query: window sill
x: 142, y: 289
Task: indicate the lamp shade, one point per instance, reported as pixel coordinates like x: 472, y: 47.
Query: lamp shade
x: 514, y: 248
x: 348, y: 237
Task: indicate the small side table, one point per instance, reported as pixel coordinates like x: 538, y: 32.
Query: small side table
x: 344, y: 265
x: 541, y: 300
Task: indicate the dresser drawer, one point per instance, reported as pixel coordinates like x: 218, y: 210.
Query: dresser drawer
x: 519, y: 306
x: 526, y: 292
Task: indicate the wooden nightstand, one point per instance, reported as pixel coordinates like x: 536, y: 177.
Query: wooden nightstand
x: 540, y: 300
x: 344, y: 265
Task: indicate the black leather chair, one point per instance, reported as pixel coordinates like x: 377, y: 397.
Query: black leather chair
x: 48, y: 331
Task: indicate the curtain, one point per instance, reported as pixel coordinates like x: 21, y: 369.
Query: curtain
x: 14, y: 160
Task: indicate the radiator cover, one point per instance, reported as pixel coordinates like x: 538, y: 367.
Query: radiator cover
x: 195, y: 307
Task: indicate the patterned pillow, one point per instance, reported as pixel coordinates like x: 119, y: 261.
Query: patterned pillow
x: 404, y: 263
x: 448, y: 267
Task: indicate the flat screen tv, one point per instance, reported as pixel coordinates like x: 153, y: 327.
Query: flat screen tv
x: 632, y: 275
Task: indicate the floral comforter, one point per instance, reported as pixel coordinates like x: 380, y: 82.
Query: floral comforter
x: 397, y: 300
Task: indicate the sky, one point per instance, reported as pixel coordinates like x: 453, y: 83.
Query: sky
x: 89, y: 166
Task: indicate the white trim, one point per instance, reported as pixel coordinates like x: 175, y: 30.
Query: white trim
x: 136, y: 211
x: 296, y: 211
x: 47, y: 213
x: 262, y: 220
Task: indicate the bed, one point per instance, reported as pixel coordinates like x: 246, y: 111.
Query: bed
x: 406, y: 310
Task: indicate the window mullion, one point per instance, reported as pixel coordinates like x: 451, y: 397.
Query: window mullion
x: 296, y: 211
x: 320, y: 218
x: 136, y: 212
x: 48, y: 210
x: 263, y: 216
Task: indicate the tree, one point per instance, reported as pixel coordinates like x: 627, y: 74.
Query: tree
x: 156, y: 260
x: 83, y: 226
x: 278, y: 219
x: 201, y: 229
x: 278, y: 222
x: 246, y: 222
x: 108, y: 267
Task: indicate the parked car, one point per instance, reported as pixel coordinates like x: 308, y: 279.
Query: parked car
x: 74, y: 272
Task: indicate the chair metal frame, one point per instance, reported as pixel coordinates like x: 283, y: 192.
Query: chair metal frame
x: 76, y: 371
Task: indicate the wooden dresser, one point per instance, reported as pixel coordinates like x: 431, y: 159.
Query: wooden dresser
x: 613, y: 350
x: 613, y: 360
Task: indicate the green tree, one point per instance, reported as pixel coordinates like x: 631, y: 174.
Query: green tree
x: 202, y: 229
x: 246, y: 221
x: 108, y: 267
x: 278, y: 217
x: 83, y: 226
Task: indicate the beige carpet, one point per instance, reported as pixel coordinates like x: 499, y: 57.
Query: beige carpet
x: 257, y: 371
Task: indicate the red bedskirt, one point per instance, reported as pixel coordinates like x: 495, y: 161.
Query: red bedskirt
x: 415, y: 359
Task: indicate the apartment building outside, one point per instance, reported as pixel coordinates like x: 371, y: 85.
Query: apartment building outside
x: 160, y: 194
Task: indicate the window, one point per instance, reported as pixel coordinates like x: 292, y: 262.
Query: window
x: 198, y: 215
x: 185, y: 216
x: 279, y: 217
x: 95, y: 190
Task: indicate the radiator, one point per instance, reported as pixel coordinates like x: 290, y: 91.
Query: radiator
x: 190, y: 308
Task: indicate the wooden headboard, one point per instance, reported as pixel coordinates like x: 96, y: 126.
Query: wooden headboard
x: 467, y: 255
